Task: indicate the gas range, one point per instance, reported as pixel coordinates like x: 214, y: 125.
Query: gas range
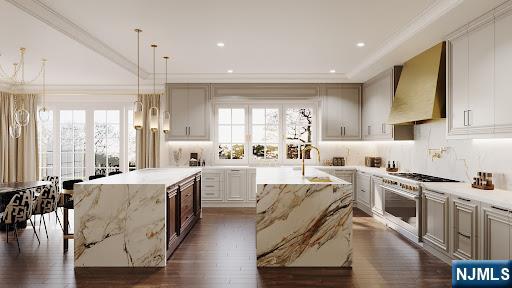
x: 411, y: 182
x: 421, y: 177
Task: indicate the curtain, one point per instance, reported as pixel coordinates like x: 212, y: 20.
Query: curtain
x: 19, y: 158
x: 148, y: 143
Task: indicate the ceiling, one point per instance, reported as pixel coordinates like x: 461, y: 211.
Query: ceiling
x: 92, y: 43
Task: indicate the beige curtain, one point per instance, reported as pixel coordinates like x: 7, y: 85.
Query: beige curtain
x: 148, y: 143
x: 19, y: 158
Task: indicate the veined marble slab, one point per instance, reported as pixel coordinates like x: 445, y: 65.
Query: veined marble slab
x: 304, y: 225
x: 120, y: 220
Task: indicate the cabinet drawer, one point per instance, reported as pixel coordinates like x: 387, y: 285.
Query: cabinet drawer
x: 212, y: 185
x: 211, y: 177
x: 211, y: 194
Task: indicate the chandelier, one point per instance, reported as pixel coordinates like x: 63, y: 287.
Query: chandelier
x: 20, y: 117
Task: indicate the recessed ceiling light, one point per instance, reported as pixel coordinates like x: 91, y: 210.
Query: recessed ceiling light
x: 220, y: 44
x: 360, y: 44
x: 332, y: 71
x: 230, y: 71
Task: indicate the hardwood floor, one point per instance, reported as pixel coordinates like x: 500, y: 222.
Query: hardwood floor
x: 220, y: 252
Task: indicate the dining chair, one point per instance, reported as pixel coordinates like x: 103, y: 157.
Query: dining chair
x: 19, y: 210
x: 45, y: 203
x: 56, y: 185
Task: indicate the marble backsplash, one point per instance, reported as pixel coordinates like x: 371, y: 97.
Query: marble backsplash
x: 461, y: 160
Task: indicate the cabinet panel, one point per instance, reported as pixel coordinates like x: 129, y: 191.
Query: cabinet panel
x: 377, y: 196
x: 251, y: 185
x: 350, y: 112
x: 436, y: 220
x: 503, y: 62
x: 331, y: 117
x: 464, y: 219
x: 363, y: 189
x: 496, y: 228
x: 459, y: 83
x: 341, y: 112
x: 236, y: 185
x: 179, y: 115
x: 481, y: 78
x: 198, y: 110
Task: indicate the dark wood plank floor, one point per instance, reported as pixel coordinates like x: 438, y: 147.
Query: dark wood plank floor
x: 220, y: 252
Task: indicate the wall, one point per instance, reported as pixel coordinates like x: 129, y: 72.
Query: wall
x: 461, y: 161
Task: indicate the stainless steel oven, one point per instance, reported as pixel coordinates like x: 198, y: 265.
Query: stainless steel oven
x: 402, y: 209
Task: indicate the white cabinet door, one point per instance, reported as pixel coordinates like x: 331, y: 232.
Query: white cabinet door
x: 458, y: 85
x: 178, y: 103
x: 198, y: 113
x: 236, y: 182
x: 496, y: 224
x: 331, y: 113
x: 363, y: 189
x: 351, y: 112
x: 464, y: 225
x: 377, y: 196
x: 480, y: 115
x: 436, y: 220
x: 251, y: 185
x: 503, y: 64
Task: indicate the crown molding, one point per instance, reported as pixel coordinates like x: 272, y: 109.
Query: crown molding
x: 420, y: 22
x: 45, y: 14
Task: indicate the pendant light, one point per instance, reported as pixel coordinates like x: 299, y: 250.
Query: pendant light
x: 167, y: 115
x: 44, y: 113
x: 21, y: 115
x: 153, y: 111
x: 138, y: 108
x: 15, y: 127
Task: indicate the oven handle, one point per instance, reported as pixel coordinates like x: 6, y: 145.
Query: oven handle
x: 401, y: 193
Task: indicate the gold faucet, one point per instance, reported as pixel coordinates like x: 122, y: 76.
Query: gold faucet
x: 304, y: 156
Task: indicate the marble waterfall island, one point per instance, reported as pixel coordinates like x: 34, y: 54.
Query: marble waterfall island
x: 302, y: 221
x: 131, y: 219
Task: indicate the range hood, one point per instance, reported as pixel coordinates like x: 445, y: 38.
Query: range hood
x: 421, y: 91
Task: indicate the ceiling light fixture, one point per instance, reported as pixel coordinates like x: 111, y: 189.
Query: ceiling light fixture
x: 230, y: 71
x: 167, y: 114
x: 332, y: 71
x: 44, y: 113
x: 360, y: 44
x: 220, y: 44
x: 138, y: 108
x: 153, y: 111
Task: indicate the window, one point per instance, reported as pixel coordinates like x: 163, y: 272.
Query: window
x: 277, y: 133
x: 265, y: 133
x: 45, y: 142
x: 299, y: 131
x: 231, y: 133
x: 72, y: 144
x: 132, y: 143
x: 106, y: 141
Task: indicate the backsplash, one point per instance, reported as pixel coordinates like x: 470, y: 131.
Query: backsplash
x: 461, y: 160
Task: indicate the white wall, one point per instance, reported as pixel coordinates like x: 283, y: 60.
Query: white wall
x: 461, y: 161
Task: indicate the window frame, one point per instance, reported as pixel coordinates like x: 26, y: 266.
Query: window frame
x: 248, y: 159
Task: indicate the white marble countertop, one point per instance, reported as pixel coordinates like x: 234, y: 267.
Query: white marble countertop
x: 498, y: 197
x: 292, y: 175
x: 164, y: 176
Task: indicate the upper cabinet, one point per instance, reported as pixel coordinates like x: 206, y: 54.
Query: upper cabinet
x: 378, y: 95
x: 479, y: 86
x: 189, y: 105
x: 341, y: 113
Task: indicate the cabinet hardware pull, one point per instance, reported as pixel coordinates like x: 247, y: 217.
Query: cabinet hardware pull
x: 209, y: 186
x: 344, y: 131
x: 369, y: 132
x: 464, y: 199
x: 469, y: 121
x: 440, y: 193
x: 501, y: 209
x: 235, y: 170
x: 464, y: 235
x: 465, y: 118
x: 341, y: 130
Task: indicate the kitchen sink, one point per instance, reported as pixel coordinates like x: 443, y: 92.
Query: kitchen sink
x: 319, y: 179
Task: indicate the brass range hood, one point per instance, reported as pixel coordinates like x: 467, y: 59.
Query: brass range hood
x: 421, y: 91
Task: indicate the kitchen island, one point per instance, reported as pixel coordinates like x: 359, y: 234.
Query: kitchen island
x: 135, y: 219
x: 302, y: 221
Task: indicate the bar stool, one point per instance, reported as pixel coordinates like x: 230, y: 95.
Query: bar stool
x: 67, y: 203
x: 115, y: 173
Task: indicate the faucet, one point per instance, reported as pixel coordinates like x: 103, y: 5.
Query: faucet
x: 304, y: 156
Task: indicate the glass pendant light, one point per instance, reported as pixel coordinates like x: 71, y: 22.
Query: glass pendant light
x: 138, y: 108
x: 153, y: 112
x: 15, y: 130
x: 22, y: 117
x: 167, y: 115
x: 44, y: 113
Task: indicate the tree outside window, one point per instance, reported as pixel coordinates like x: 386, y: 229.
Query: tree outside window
x: 299, y: 132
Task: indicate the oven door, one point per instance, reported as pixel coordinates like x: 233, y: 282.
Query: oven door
x: 403, y: 209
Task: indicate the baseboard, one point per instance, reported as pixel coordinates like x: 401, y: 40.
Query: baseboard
x: 229, y: 204
x: 440, y: 255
